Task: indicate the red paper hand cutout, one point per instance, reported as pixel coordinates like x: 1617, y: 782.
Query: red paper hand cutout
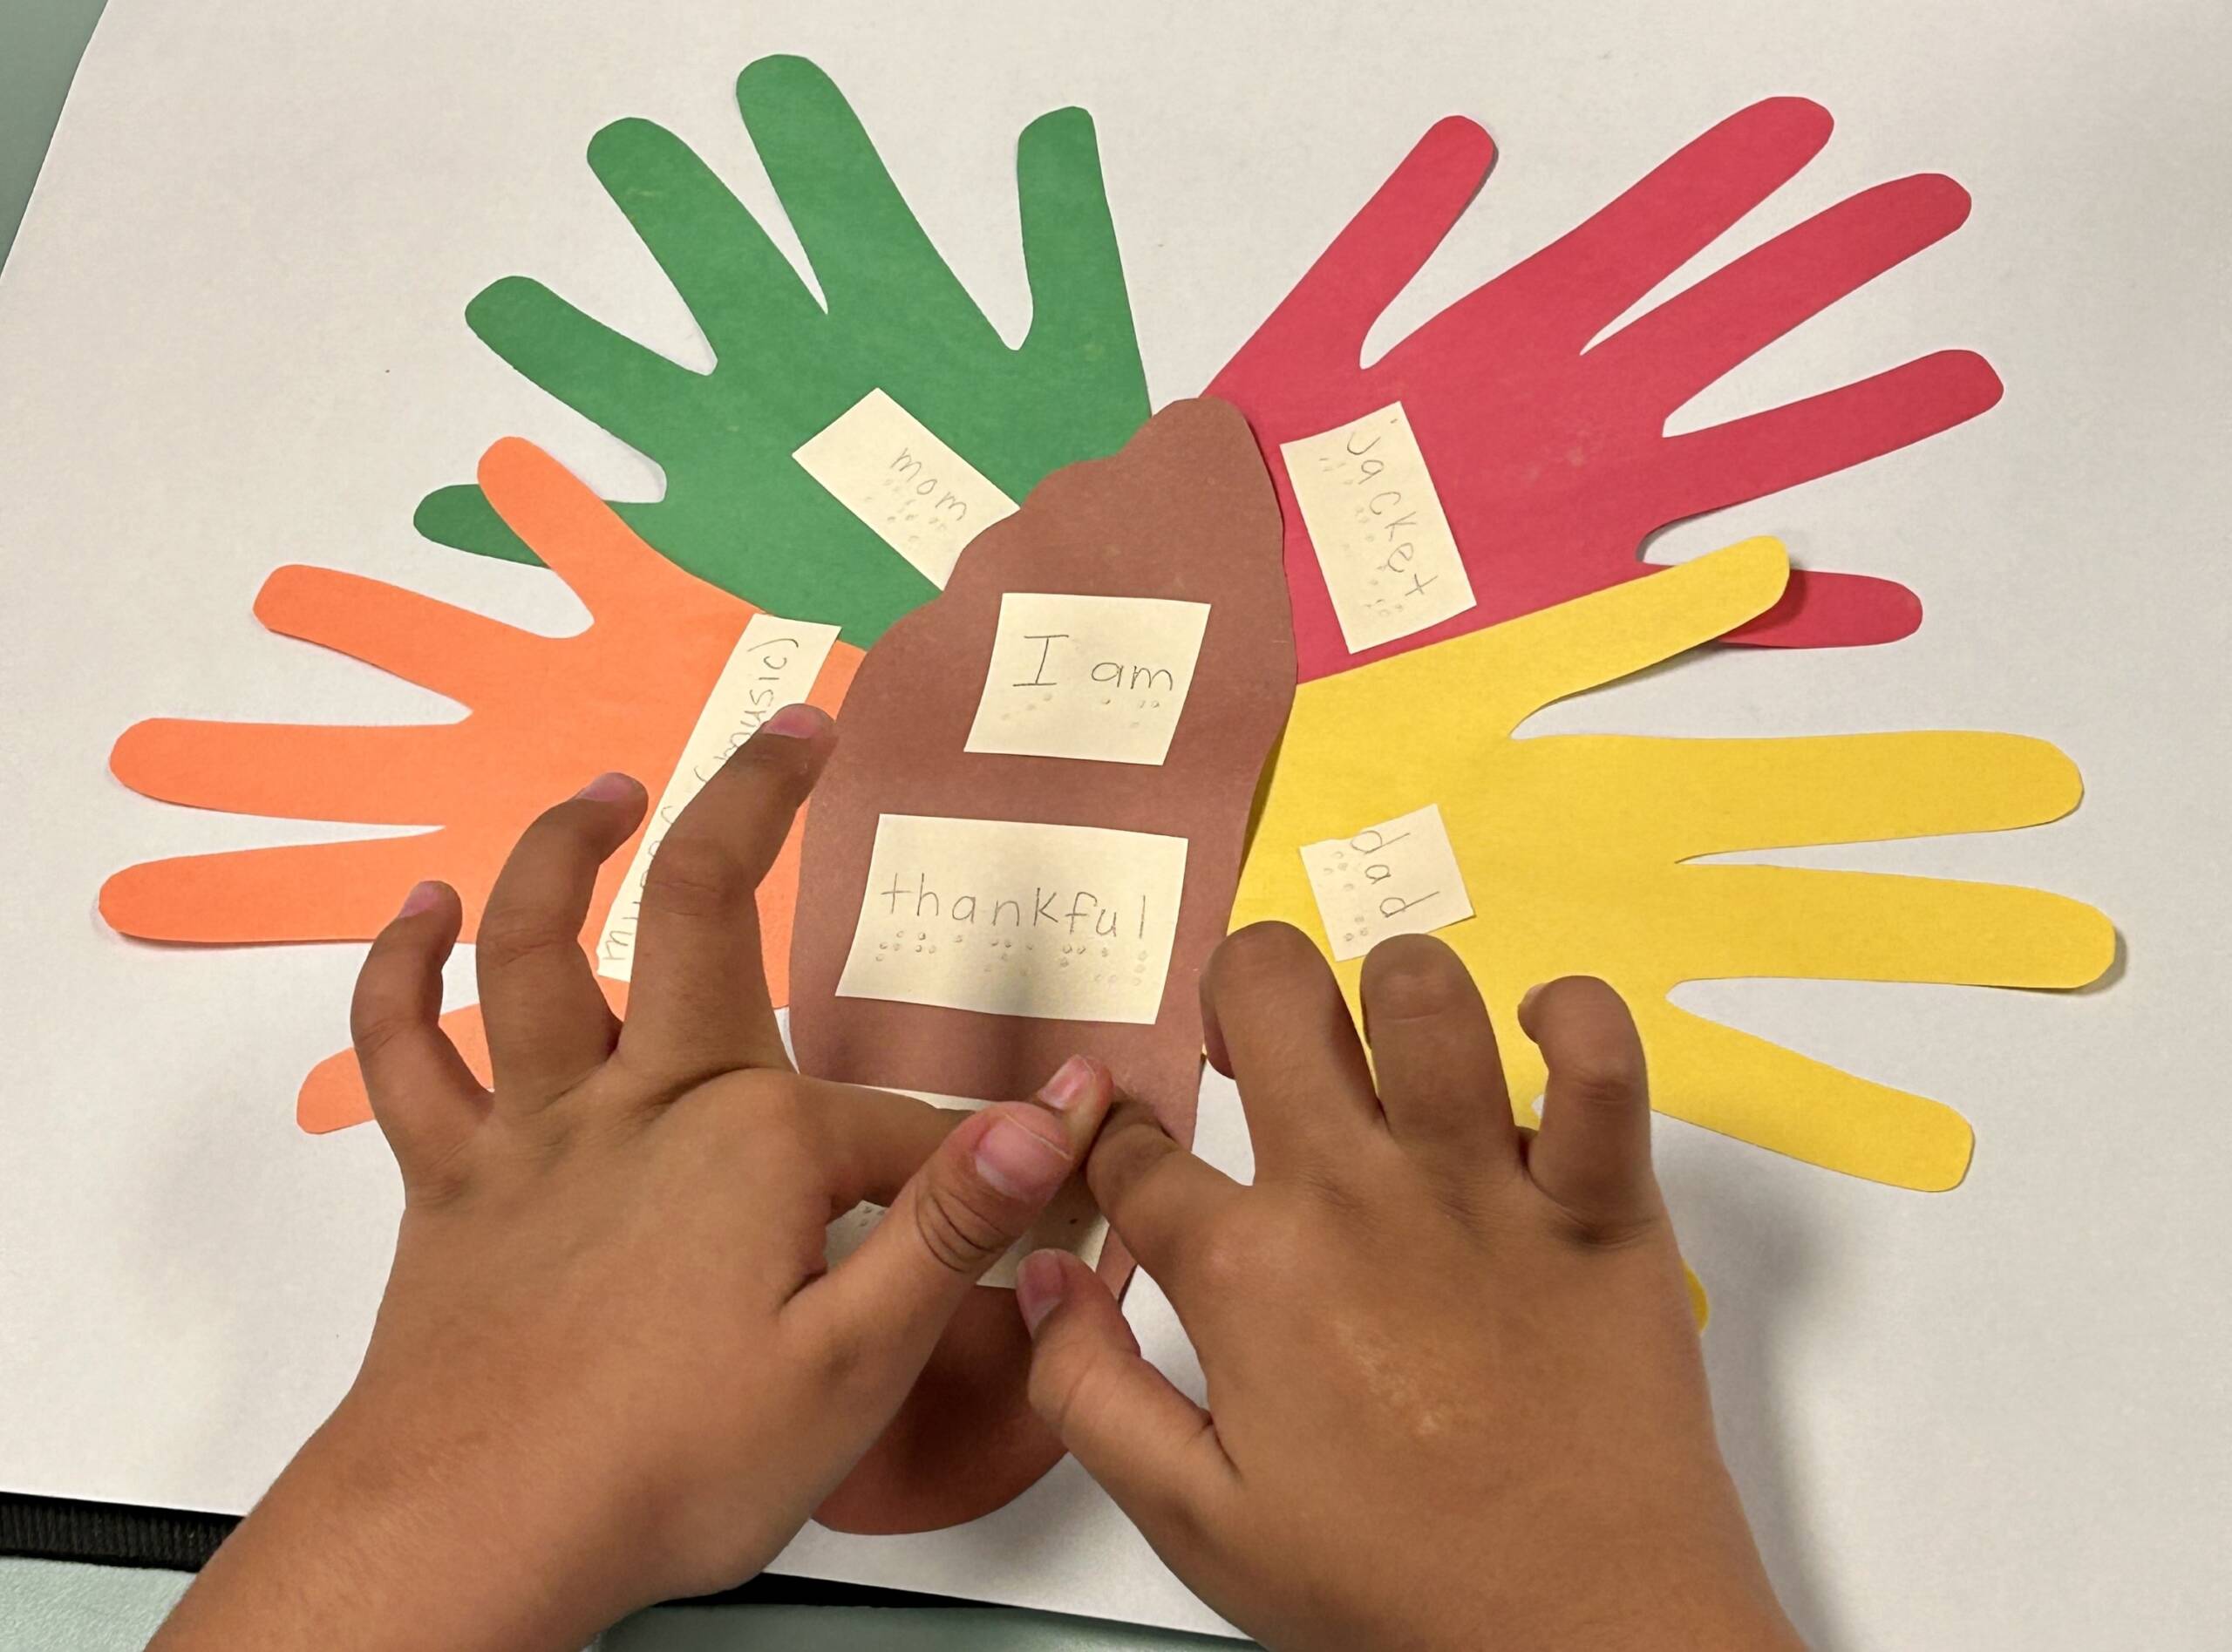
x: 545, y: 715
x: 1548, y: 453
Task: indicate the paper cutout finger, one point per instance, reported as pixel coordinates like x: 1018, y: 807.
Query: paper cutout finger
x: 666, y: 663
x: 1531, y: 464
x: 1025, y: 847
x: 1571, y: 854
x: 788, y: 370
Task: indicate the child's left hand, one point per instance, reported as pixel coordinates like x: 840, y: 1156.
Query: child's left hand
x: 609, y: 1368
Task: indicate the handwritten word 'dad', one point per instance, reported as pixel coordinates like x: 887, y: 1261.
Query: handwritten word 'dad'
x: 1398, y: 878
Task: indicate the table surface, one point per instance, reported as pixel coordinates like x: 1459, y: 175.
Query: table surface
x: 90, y: 1608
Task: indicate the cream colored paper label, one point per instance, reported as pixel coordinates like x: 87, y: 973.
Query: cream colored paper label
x: 1389, y: 560
x: 915, y: 493
x: 1098, y: 678
x: 1070, y: 1222
x: 1399, y: 878
x: 1012, y: 918
x: 773, y: 665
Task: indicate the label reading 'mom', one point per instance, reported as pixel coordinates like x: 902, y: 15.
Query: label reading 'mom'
x: 915, y: 493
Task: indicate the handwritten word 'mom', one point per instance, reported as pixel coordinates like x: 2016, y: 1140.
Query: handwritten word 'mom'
x: 908, y: 468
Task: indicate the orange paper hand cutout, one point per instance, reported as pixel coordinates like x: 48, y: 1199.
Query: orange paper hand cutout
x: 544, y: 715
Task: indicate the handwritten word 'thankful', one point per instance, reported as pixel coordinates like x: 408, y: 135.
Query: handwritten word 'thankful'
x: 1046, y: 907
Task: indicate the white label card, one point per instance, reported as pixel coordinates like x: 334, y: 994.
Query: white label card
x: 915, y: 493
x: 1012, y: 918
x: 774, y: 664
x: 1398, y: 878
x: 1070, y: 1222
x: 1390, y: 561
x: 1098, y: 678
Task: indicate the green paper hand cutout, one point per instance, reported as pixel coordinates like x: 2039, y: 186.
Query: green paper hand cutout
x: 737, y: 511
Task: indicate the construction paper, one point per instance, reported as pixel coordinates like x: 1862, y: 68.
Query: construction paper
x: 1547, y: 443
x: 1398, y: 878
x: 892, y: 319
x: 911, y: 490
x: 1580, y: 850
x: 775, y: 665
x: 545, y: 714
x: 1070, y: 1222
x: 1104, y: 679
x: 1017, y: 918
x: 1183, y: 513
x: 188, y: 1279
x: 1390, y: 564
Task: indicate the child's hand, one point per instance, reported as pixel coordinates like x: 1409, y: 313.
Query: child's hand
x: 1455, y: 1395
x: 609, y: 1367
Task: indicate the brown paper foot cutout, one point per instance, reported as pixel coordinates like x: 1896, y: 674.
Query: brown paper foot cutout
x: 1184, y: 514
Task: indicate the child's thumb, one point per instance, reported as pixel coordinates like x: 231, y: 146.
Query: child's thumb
x: 973, y: 1199
x: 1152, y: 1450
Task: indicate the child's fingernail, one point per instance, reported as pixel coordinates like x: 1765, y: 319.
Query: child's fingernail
x: 1038, y: 1285
x: 1015, y: 1159
x: 1072, y: 1082
x: 799, y: 722
x: 422, y: 896
x: 608, y: 788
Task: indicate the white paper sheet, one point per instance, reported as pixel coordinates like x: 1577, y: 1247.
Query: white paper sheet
x: 231, y: 335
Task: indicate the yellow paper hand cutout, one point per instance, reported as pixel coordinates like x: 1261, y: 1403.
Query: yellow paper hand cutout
x: 1573, y: 849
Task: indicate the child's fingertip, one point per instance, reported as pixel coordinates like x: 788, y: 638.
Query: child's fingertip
x: 424, y: 897
x: 1077, y: 1081
x: 615, y: 787
x: 1040, y: 1281
x: 797, y: 721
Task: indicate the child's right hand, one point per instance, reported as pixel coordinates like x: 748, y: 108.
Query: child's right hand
x: 1455, y: 1395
